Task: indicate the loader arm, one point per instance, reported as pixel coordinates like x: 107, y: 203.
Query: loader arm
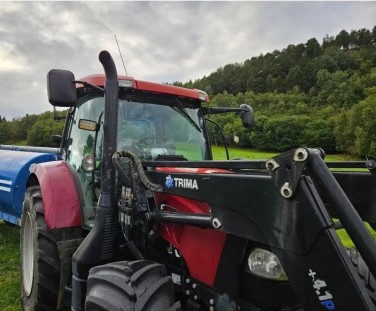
x: 250, y: 203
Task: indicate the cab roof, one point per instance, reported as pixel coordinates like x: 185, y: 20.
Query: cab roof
x: 126, y: 81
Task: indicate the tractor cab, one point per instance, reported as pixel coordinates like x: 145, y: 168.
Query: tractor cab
x: 155, y: 124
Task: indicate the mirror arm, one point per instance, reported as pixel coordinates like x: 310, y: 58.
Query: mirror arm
x: 222, y: 136
x: 217, y: 110
x: 86, y: 84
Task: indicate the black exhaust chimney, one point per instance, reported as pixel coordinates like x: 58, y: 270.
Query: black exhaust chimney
x: 98, y: 246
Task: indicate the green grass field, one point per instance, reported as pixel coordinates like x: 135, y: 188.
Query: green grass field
x: 9, y: 236
x: 219, y: 153
x: 9, y: 268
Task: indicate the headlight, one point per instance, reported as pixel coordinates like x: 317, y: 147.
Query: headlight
x: 266, y: 264
x: 88, y: 163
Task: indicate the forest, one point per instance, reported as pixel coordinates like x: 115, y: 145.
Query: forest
x: 311, y: 94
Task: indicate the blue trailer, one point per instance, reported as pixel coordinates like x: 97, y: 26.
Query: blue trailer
x: 14, y: 171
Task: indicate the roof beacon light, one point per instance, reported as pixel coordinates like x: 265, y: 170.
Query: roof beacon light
x: 202, y: 95
x: 125, y: 83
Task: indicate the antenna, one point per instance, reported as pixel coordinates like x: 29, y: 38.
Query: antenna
x: 121, y: 56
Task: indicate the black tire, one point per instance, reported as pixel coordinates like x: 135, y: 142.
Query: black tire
x: 138, y: 285
x: 364, y: 273
x: 40, y: 266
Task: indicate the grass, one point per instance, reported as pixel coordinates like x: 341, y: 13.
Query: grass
x: 9, y: 235
x: 345, y: 239
x: 9, y: 268
x: 219, y: 153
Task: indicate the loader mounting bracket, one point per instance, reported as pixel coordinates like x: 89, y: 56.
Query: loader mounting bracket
x: 286, y: 169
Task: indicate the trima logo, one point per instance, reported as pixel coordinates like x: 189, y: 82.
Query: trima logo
x: 181, y: 183
x: 169, y: 182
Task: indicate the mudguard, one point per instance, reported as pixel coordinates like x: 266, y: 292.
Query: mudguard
x: 60, y: 197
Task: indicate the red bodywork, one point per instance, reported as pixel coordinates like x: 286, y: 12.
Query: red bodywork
x: 200, y: 248
x: 99, y: 80
x: 60, y: 198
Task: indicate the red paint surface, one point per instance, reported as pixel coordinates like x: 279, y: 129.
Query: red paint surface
x: 200, y: 248
x: 99, y: 80
x: 193, y: 170
x: 60, y: 199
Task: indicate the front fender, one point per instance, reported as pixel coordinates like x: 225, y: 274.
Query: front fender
x: 60, y: 197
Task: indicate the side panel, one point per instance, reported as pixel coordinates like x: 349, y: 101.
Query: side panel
x: 60, y: 198
x: 201, y: 248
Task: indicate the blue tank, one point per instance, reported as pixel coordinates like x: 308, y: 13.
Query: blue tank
x: 14, y: 171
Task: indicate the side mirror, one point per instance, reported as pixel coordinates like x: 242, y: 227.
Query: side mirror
x: 61, y: 88
x: 246, y: 115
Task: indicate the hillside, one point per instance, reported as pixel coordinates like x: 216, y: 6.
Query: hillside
x: 310, y: 94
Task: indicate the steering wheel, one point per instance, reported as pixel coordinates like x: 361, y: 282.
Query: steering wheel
x: 152, y: 141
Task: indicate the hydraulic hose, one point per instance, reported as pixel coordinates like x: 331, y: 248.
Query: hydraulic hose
x: 139, y: 169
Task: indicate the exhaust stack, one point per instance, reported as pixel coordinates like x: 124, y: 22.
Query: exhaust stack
x: 98, y: 246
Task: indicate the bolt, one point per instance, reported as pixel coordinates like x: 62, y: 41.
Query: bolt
x: 195, y: 297
x: 194, y: 285
x: 211, y: 301
x: 216, y: 223
x: 187, y: 292
x: 187, y: 281
x: 271, y: 165
x: 211, y: 308
x: 286, y: 190
x: 300, y: 155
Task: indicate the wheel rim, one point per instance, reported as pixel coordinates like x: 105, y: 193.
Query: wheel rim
x: 28, y: 255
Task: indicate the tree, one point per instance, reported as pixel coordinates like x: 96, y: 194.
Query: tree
x: 343, y: 39
x: 41, y: 132
x: 338, y: 89
x: 319, y: 133
x: 4, y: 132
x: 313, y: 48
x: 328, y: 41
x: 21, y: 127
x: 364, y: 37
x: 285, y: 132
x: 365, y: 132
x: 374, y: 35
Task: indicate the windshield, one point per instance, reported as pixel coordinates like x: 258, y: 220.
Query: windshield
x: 161, y: 127
x: 154, y: 127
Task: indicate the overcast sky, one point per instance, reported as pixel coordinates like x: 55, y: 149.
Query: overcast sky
x: 160, y: 41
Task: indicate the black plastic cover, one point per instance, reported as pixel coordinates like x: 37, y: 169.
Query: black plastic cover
x: 61, y: 88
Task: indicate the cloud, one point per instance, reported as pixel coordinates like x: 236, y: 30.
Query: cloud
x: 160, y: 41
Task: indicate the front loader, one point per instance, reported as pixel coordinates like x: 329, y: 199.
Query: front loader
x: 138, y: 216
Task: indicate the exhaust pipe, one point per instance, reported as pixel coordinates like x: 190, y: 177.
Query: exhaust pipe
x: 98, y: 246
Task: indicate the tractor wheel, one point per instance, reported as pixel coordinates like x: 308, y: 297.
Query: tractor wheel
x: 138, y: 285
x: 364, y: 273
x: 40, y: 267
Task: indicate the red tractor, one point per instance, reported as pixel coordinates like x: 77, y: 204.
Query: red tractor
x: 137, y: 215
